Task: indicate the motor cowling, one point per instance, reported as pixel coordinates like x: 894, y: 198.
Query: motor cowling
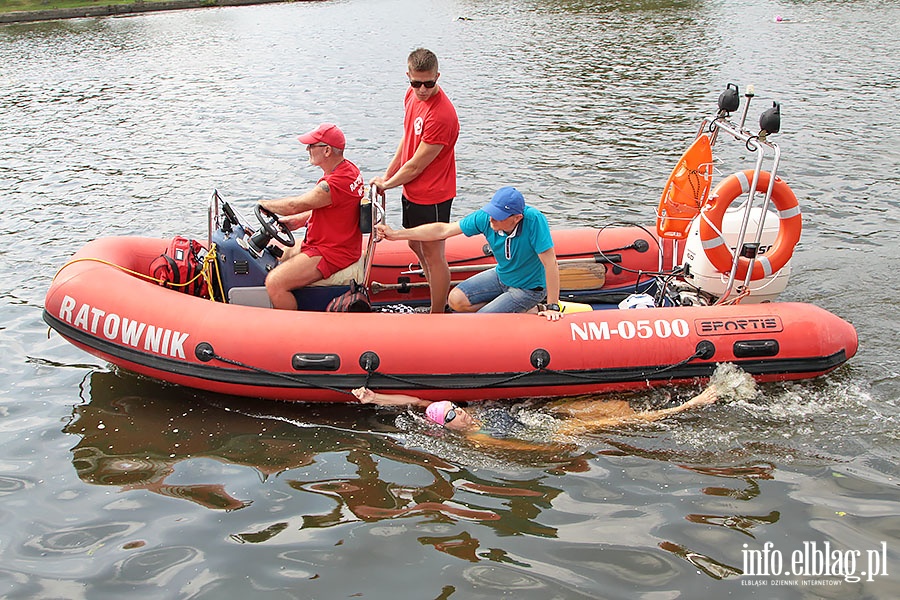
x: 702, y: 274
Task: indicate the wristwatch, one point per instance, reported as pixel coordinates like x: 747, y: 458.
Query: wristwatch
x: 553, y: 307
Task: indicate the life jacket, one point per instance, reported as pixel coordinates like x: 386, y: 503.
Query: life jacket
x: 356, y: 299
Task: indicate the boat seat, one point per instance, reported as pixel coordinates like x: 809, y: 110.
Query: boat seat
x: 250, y: 296
x: 356, y: 271
x: 315, y: 296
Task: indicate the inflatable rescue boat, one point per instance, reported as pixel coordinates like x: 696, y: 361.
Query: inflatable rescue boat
x: 641, y: 307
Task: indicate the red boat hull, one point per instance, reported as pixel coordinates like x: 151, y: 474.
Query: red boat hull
x: 96, y: 304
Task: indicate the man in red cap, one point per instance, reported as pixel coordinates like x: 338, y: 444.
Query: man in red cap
x: 425, y: 165
x: 330, y: 212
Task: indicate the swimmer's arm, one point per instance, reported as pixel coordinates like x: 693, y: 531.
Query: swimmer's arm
x: 484, y: 440
x: 707, y: 396
x: 367, y: 396
x: 584, y: 425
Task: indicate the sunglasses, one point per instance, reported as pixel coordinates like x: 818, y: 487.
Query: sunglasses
x: 311, y: 146
x: 451, y: 414
x: 428, y: 84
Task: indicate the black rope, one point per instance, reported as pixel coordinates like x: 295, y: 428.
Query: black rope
x: 754, y: 139
x: 697, y: 354
x: 694, y: 178
x: 292, y: 378
x: 640, y: 272
x: 456, y: 387
x: 413, y: 383
x: 590, y: 378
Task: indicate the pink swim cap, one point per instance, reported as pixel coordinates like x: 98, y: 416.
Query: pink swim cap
x: 437, y: 411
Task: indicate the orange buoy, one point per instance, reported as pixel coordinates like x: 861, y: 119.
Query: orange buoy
x: 685, y: 190
x: 790, y: 225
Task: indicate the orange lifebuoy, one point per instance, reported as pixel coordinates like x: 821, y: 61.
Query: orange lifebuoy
x: 789, y: 226
x: 685, y: 190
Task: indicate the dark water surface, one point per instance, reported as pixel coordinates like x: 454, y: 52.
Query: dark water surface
x: 111, y: 485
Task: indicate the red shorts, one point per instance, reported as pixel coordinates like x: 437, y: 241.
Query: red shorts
x: 324, y: 267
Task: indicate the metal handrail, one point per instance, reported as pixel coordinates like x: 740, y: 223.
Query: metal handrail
x: 759, y: 145
x: 377, y: 200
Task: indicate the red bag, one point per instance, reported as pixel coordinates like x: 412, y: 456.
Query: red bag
x: 182, y: 264
x: 356, y: 299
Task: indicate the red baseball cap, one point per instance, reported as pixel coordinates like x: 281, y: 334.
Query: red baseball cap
x: 326, y: 133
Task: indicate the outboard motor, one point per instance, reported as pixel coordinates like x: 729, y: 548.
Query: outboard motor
x: 703, y: 275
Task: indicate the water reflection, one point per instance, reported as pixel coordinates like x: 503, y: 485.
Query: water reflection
x: 333, y: 466
x: 133, y: 437
x: 705, y: 563
x: 136, y: 433
x: 745, y: 490
x: 323, y: 467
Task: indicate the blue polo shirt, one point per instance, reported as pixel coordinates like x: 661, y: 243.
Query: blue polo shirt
x: 523, y: 268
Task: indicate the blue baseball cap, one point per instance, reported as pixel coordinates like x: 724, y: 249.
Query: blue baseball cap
x: 507, y: 201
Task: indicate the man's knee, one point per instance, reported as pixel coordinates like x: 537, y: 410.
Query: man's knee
x: 458, y: 301
x: 298, y: 272
x: 274, y: 284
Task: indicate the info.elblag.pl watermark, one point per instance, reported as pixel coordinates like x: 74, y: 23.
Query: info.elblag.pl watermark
x: 814, y: 563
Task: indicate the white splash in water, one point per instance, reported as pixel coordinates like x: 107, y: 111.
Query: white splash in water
x: 733, y: 384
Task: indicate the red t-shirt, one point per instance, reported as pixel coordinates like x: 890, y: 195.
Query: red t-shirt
x: 432, y: 121
x: 334, y: 229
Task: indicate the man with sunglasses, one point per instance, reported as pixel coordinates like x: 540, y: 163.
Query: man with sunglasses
x: 330, y: 212
x: 519, y: 237
x: 425, y: 165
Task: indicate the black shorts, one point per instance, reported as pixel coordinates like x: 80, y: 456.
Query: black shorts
x: 419, y: 214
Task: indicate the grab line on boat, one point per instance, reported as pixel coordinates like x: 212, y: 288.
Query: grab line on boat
x: 205, y: 352
x: 705, y: 350
x: 540, y: 359
x: 422, y: 384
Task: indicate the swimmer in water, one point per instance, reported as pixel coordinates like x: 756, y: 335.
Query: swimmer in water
x: 497, y: 426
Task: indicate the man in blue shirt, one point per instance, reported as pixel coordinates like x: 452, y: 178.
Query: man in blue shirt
x: 519, y: 236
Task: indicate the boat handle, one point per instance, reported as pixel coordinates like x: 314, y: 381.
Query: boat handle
x: 316, y: 362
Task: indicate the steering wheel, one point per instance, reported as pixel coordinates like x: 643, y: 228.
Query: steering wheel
x: 274, y: 228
